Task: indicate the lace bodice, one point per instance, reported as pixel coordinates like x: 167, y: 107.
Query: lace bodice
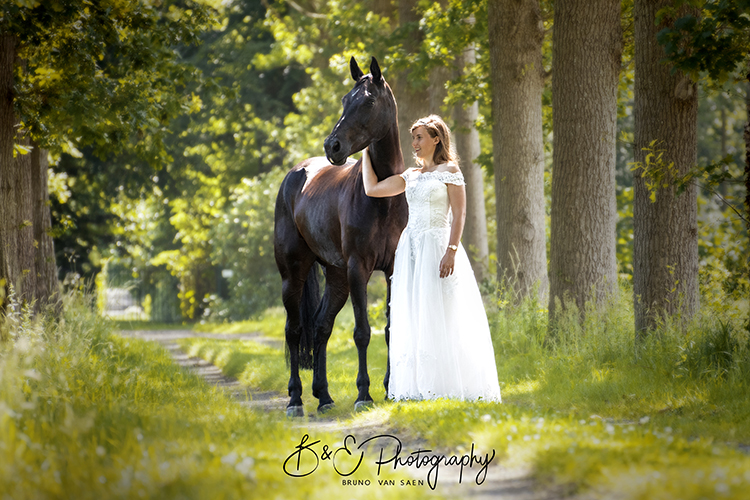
x: 427, y: 195
x: 440, y: 343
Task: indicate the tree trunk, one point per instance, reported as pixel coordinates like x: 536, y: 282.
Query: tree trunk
x: 466, y: 137
x: 665, y: 233
x: 415, y: 101
x: 746, y: 136
x: 16, y: 210
x: 7, y: 137
x: 44, y: 247
x: 516, y: 33
x: 587, y: 46
x: 722, y: 187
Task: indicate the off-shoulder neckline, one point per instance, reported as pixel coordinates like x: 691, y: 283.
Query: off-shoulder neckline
x: 419, y: 169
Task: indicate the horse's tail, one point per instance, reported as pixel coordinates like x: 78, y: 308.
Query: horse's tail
x: 307, y: 307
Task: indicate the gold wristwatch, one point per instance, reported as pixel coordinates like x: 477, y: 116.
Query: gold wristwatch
x: 453, y: 247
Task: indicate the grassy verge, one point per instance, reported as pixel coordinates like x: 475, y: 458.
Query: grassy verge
x: 270, y: 323
x: 88, y: 414
x: 595, y: 411
x: 263, y: 367
x: 148, y: 325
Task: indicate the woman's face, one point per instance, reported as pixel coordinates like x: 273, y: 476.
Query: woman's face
x: 423, y: 144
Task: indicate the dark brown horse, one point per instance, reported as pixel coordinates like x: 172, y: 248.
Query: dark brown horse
x: 323, y: 215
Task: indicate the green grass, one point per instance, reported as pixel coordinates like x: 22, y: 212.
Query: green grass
x: 85, y: 413
x: 270, y: 323
x: 260, y: 366
x: 593, y: 411
x: 148, y: 325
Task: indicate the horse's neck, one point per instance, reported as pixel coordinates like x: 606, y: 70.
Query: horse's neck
x: 385, y: 154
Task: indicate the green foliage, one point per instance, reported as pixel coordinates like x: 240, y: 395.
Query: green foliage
x: 268, y: 80
x: 658, y: 173
x: 89, y: 414
x: 243, y: 243
x: 322, y: 45
x: 101, y: 73
x: 714, y: 41
x: 718, y: 352
x: 625, y: 232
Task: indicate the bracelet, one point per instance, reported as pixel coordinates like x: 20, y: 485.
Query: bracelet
x: 453, y: 247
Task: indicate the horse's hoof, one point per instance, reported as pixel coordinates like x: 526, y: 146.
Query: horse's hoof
x: 326, y: 407
x: 295, y: 411
x: 362, y: 405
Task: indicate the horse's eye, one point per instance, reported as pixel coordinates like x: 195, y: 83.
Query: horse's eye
x: 369, y: 103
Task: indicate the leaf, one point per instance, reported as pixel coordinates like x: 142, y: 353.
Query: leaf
x: 686, y: 23
x: 21, y: 150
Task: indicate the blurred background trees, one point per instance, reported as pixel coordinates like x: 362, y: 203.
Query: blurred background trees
x: 168, y: 142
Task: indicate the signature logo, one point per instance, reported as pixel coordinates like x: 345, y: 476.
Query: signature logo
x: 308, y: 456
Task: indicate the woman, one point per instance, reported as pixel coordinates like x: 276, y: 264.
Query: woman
x: 440, y: 343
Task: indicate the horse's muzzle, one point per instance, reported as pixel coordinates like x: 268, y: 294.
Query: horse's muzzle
x: 335, y: 151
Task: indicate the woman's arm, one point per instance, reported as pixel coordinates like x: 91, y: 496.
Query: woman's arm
x: 457, y: 199
x: 390, y: 186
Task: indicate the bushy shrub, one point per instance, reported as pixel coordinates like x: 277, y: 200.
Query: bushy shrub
x: 243, y: 245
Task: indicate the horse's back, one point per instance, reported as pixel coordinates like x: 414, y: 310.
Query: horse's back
x: 310, y: 198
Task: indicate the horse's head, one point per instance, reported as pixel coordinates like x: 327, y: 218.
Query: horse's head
x: 369, y: 113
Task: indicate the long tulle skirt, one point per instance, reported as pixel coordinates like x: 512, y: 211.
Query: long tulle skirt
x: 440, y: 345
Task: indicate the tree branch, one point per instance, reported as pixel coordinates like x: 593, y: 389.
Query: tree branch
x: 299, y: 9
x: 722, y: 199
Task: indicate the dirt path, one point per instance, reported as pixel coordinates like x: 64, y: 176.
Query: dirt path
x: 511, y: 483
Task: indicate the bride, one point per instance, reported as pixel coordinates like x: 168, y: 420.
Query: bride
x: 440, y: 345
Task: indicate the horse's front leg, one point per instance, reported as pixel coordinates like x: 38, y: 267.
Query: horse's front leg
x: 387, y: 377
x: 358, y: 277
x: 334, y: 298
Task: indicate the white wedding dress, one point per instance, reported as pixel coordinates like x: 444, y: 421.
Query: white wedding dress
x: 440, y: 345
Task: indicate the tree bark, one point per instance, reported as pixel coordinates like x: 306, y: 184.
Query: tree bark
x: 17, y: 255
x: 415, y: 101
x: 516, y: 34
x: 746, y: 136
x: 7, y: 137
x: 16, y: 238
x: 44, y: 248
x: 665, y: 235
x: 587, y: 46
x: 467, y: 146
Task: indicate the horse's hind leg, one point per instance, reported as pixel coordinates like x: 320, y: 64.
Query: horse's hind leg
x: 293, y: 284
x: 294, y: 260
x: 334, y: 298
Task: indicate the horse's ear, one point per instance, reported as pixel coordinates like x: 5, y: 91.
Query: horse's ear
x: 377, y: 76
x: 356, y: 72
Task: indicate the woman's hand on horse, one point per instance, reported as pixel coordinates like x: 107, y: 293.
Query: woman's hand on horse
x: 390, y: 186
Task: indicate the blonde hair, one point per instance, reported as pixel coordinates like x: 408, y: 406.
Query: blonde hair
x: 436, y: 127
